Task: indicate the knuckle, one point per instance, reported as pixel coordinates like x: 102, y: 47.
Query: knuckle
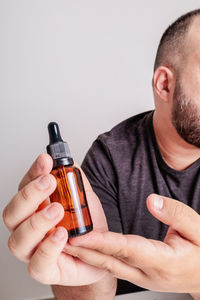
x: 162, y: 274
x: 25, y: 193
x: 106, y: 265
x: 39, y: 275
x: 12, y: 245
x: 15, y: 249
x: 34, y: 223
x: 33, y: 272
x: 5, y: 216
x: 42, y: 253
x: 123, y: 250
x: 7, y: 219
x: 179, y: 212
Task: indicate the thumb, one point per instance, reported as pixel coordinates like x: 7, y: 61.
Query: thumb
x: 177, y: 215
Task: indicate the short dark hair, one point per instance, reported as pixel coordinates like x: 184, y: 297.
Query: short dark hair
x: 172, y: 42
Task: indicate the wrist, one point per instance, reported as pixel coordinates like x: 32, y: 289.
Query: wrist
x: 102, y: 289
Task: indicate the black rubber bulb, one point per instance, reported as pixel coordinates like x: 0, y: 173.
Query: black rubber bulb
x: 54, y: 133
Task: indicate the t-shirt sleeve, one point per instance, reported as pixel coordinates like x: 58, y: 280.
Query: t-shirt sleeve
x: 99, y: 169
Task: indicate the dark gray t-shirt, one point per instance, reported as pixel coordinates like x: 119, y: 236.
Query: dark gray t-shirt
x: 124, y: 166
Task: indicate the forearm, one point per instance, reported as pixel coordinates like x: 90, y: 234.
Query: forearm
x: 103, y: 289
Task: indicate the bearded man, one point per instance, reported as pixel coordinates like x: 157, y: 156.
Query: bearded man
x: 145, y: 173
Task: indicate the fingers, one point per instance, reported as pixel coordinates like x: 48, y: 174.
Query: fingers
x: 133, y: 249
x: 27, y: 200
x: 109, y: 263
x: 29, y: 234
x: 177, y: 215
x: 109, y: 243
x: 43, y: 265
x: 42, y: 165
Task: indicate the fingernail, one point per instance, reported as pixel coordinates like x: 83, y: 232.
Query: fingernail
x: 51, y: 211
x: 58, y: 234
x: 157, y: 203
x: 43, y: 182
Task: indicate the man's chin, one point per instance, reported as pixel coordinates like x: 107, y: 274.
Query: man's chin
x: 191, y: 142
x: 189, y: 139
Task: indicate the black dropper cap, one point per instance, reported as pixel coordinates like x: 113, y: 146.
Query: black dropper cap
x: 57, y: 148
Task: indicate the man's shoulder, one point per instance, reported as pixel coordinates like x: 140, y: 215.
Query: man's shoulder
x: 127, y: 130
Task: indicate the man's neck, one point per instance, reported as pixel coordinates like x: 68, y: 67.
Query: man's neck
x: 177, y: 154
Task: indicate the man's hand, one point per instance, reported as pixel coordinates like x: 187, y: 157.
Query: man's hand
x: 29, y: 217
x: 169, y: 266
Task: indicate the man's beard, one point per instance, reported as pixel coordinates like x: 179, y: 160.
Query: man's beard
x: 185, y: 117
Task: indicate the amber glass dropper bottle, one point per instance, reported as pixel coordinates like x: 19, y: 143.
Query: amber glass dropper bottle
x: 70, y: 189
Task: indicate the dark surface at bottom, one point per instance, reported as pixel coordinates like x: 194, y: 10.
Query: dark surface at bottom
x: 126, y: 287
x: 79, y: 231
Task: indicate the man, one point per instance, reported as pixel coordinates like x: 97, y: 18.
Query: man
x: 155, y: 153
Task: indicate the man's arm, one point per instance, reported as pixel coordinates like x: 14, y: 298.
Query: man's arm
x: 103, y: 289
x: 169, y: 266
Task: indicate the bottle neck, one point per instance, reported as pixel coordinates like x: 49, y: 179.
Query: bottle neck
x: 64, y: 161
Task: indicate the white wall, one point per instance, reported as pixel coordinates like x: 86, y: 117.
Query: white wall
x: 86, y: 64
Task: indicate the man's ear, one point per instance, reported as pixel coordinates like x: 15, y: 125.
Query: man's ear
x: 163, y: 82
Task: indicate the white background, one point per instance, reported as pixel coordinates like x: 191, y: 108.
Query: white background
x: 86, y: 64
